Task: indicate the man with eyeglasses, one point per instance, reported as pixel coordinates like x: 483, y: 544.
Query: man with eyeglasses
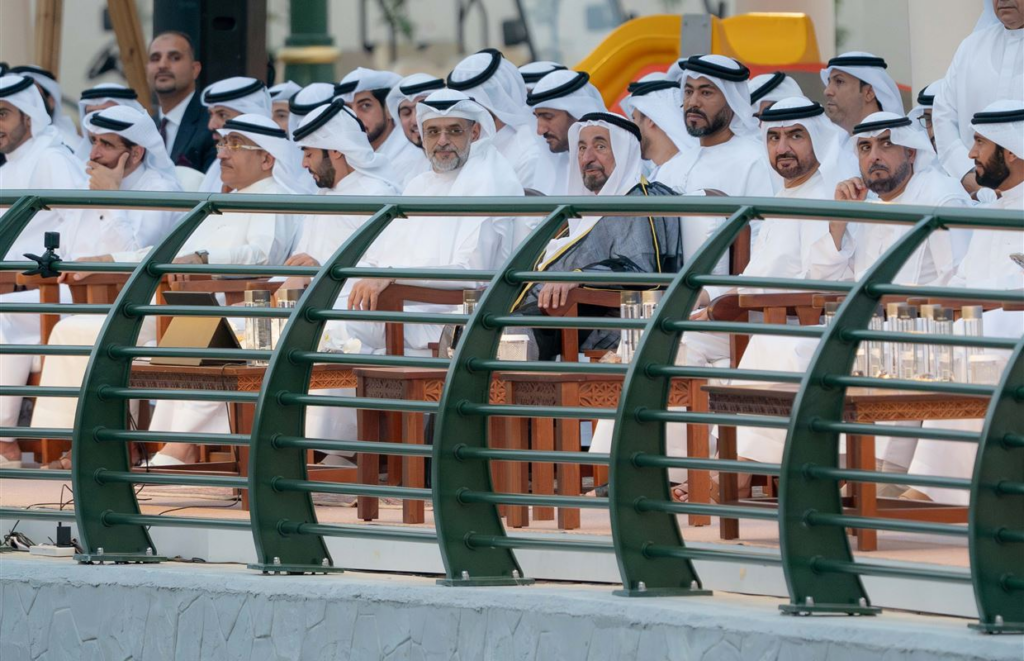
x: 922, y: 112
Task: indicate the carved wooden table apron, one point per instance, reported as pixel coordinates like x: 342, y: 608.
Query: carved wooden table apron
x: 863, y: 405
x: 586, y: 390
x: 239, y: 378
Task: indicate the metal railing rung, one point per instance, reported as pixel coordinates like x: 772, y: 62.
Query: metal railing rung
x: 142, y: 436
x: 897, y: 432
x: 876, y: 523
x: 72, y: 267
x: 116, y: 392
x: 497, y: 498
x: 367, y: 532
x: 44, y: 350
x: 55, y: 308
x: 888, y: 571
x: 36, y: 432
x: 690, y: 553
x: 349, y: 489
x: 259, y: 271
x: 539, y: 456
x: 590, y: 278
x: 797, y: 286
x: 38, y: 391
x: 424, y: 273
x: 739, y: 328
x: 853, y: 475
x: 104, y: 476
x: 1009, y: 536
x: 511, y: 411
x: 34, y: 474
x: 373, y: 404
x: 55, y: 515
x: 946, y: 388
x: 606, y: 323
x: 183, y: 352
x: 1013, y: 440
x: 124, y: 519
x: 766, y: 422
x: 134, y: 310
x: 371, y: 447
x: 545, y: 367
x: 695, y: 372
x: 367, y: 360
x: 387, y: 316
x: 1007, y: 488
x: 879, y: 289
x: 928, y: 338
x: 537, y: 544
x: 725, y: 511
x: 641, y: 460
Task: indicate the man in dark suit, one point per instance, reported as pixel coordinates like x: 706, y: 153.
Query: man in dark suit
x: 172, y: 70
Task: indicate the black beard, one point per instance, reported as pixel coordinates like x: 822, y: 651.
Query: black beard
x: 798, y: 170
x: 325, y: 174
x: 377, y: 131
x: 884, y: 186
x: 995, y: 171
x: 720, y: 121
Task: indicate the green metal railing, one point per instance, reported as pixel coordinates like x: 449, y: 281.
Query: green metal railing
x: 646, y: 538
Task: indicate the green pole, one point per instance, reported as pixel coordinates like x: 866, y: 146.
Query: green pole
x: 309, y: 53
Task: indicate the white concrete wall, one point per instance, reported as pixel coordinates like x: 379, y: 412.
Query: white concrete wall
x: 53, y: 609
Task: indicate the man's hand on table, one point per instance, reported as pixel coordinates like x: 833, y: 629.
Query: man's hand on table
x: 365, y: 293
x: 554, y: 295
x: 78, y: 277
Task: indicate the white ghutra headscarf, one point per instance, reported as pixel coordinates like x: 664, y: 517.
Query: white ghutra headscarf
x: 727, y: 75
x: 138, y: 127
x: 265, y: 132
x: 333, y: 126
x: 871, y: 70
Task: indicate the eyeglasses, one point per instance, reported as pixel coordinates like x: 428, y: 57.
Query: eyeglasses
x: 434, y: 132
x: 925, y: 121
x: 237, y: 146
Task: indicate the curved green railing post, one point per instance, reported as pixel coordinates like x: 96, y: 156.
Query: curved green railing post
x: 94, y: 498
x: 996, y: 522
x: 810, y: 590
x: 633, y: 530
x: 455, y: 520
x: 270, y: 508
x: 16, y: 219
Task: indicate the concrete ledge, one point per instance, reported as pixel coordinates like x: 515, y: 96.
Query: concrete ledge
x: 55, y: 609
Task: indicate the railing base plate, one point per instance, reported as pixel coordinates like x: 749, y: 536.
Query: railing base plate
x: 828, y: 609
x: 662, y: 592
x: 120, y: 558
x: 295, y: 569
x: 485, y: 581
x: 992, y: 627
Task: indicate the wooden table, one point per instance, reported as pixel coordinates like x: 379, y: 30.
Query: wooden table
x: 863, y: 405
x: 240, y: 378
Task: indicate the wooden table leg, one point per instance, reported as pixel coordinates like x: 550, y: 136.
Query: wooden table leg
x: 368, y: 465
x: 543, y: 473
x: 393, y: 429
x: 860, y: 454
x: 567, y: 439
x: 413, y: 468
x: 728, y: 483
x: 500, y: 431
x: 516, y: 476
x: 243, y: 415
x: 698, y: 444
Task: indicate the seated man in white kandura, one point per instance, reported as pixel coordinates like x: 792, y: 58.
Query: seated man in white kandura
x: 457, y: 134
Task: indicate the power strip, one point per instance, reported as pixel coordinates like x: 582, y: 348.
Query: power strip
x: 52, y: 551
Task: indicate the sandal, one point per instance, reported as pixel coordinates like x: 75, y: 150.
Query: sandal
x: 62, y: 464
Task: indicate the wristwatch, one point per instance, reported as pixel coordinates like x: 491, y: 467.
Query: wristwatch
x: 204, y: 256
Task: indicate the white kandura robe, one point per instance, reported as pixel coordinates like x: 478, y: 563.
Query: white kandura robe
x: 987, y: 265
x: 40, y: 163
x: 784, y: 248
x: 406, y: 159
x: 230, y: 238
x: 736, y: 167
x: 988, y: 66
x: 470, y: 243
x: 321, y: 235
x: 862, y: 245
x: 525, y: 151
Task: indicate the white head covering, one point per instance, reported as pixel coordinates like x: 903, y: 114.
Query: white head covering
x: 452, y: 103
x: 283, y: 91
x: 533, y: 72
x: 771, y: 87
x: 409, y: 88
x: 827, y: 139
x: 267, y: 134
x: 902, y: 132
x: 365, y: 80
x: 566, y: 90
x: 1002, y: 122
x: 494, y: 83
x: 97, y: 96
x: 988, y: 16
x: 730, y: 77
x: 137, y: 126
x: 333, y: 126
x: 306, y: 100
x: 925, y: 101
x: 20, y: 91
x: 662, y: 102
x: 871, y: 70
x: 245, y: 95
x: 625, y: 137
x: 49, y: 83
